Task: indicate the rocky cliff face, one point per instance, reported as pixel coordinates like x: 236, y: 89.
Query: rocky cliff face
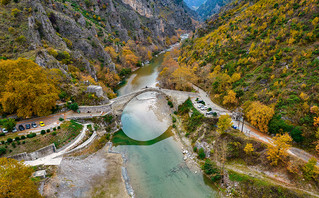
x: 210, y: 7
x: 63, y: 32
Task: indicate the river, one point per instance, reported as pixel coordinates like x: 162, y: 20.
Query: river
x: 155, y: 162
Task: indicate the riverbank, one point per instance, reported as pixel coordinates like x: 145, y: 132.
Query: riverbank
x: 97, y: 175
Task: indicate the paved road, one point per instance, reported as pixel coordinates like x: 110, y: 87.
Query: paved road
x: 251, y: 131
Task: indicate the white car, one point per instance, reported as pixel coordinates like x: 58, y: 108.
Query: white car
x: 200, y: 105
x: 4, y: 130
x: 204, y: 108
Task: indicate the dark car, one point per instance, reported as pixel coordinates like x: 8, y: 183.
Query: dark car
x: 34, y: 125
x: 200, y: 101
x: 21, y: 127
x: 28, y: 126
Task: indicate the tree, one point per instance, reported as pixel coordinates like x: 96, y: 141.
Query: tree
x: 277, y: 150
x: 249, y: 149
x: 201, y: 154
x: 9, y: 124
x: 310, y: 170
x: 27, y: 88
x: 15, y: 179
x: 224, y: 123
x: 230, y: 98
x: 259, y: 115
x: 73, y: 106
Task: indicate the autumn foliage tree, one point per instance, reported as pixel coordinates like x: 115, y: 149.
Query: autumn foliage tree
x: 27, y: 88
x: 15, y: 179
x: 230, y: 98
x: 278, y: 150
x: 224, y: 123
x: 259, y: 114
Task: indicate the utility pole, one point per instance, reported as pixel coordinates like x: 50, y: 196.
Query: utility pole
x: 242, y: 128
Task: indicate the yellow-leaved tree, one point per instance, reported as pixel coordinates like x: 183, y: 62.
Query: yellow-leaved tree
x: 224, y: 123
x: 15, y: 179
x: 249, y: 149
x: 278, y: 150
x: 230, y: 98
x: 259, y: 114
x: 27, y: 88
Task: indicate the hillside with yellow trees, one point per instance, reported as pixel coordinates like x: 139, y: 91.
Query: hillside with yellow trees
x: 262, y: 56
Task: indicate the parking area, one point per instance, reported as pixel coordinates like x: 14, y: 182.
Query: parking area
x: 25, y: 126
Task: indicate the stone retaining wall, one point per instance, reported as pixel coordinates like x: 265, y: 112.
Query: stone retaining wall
x: 36, y: 154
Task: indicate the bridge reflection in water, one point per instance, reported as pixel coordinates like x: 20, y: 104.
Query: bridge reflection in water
x: 120, y: 138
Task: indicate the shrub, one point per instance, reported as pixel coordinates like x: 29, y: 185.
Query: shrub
x: 22, y: 137
x: 15, y: 12
x: 310, y: 171
x: 4, y: 2
x: 195, y: 149
x: 42, y: 132
x: 31, y: 135
x: 48, y: 130
x: 2, y: 142
x: 54, y: 133
x: 59, y: 127
x: 2, y: 150
x: 23, y: 142
x: 173, y: 119
x: 108, y: 118
x: 21, y: 39
x: 212, y: 170
x: 18, y: 142
x: 2, y: 134
x: 17, y: 138
x: 61, y: 119
x: 68, y: 42
x: 13, y: 144
x: 9, y: 140
x: 201, y: 154
x: 54, y: 129
x: 170, y: 104
x: 174, y: 126
x: 73, y: 106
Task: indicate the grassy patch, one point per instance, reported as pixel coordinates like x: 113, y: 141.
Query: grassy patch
x: 69, y: 130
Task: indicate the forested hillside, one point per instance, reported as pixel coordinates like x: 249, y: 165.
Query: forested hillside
x: 85, y: 41
x: 262, y: 56
x: 210, y: 7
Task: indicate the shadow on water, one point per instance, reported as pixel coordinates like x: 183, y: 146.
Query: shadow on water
x: 120, y: 138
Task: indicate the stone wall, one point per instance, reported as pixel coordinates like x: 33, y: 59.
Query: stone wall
x: 36, y: 154
x: 95, y: 109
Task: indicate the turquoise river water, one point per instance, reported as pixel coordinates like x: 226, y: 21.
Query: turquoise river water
x: 155, y: 162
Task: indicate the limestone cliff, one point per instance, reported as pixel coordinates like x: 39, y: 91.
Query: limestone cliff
x: 60, y: 33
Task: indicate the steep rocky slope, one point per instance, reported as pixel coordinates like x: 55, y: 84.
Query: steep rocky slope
x: 73, y: 35
x: 194, y: 4
x: 210, y: 7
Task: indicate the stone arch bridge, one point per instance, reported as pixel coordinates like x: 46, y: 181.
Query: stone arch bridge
x: 117, y: 105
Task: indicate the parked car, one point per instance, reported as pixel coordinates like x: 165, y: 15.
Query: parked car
x: 21, y: 127
x: 204, y: 108
x: 210, y: 113
x: 4, y: 130
x: 200, y: 101
x: 28, y: 126
x: 42, y: 123
x: 34, y: 125
x: 234, y: 127
x: 14, y: 129
x: 200, y: 105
